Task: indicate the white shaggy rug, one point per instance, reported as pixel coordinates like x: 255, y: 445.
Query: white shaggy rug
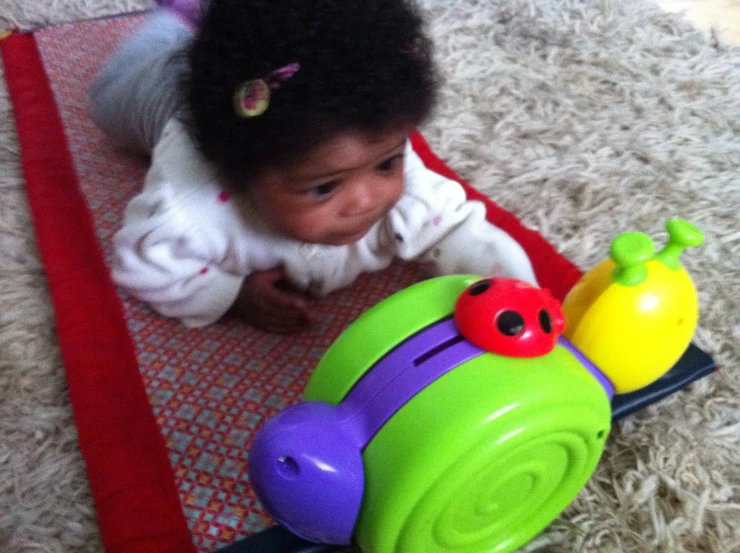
x: 586, y: 118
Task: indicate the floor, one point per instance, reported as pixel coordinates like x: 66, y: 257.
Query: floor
x: 724, y: 15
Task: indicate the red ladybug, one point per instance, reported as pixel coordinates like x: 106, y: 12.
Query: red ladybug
x: 509, y: 317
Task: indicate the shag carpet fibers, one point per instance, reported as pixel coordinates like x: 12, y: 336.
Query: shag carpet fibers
x: 586, y: 118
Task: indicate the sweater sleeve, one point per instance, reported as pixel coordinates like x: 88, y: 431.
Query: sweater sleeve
x: 435, y: 222
x: 162, y: 258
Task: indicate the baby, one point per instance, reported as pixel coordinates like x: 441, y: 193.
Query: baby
x: 280, y: 162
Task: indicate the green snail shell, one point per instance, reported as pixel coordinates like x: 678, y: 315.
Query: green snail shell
x: 483, y: 458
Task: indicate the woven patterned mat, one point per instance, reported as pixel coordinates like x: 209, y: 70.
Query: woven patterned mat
x: 209, y: 388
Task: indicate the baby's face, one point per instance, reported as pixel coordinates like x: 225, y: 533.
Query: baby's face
x: 338, y: 192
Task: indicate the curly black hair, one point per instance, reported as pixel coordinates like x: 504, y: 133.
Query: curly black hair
x: 365, y: 66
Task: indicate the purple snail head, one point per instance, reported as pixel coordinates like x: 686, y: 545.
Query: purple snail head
x: 302, y: 459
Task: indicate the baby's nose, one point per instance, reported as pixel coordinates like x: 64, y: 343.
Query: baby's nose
x: 365, y: 198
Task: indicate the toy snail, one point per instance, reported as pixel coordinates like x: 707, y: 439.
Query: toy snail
x: 453, y: 416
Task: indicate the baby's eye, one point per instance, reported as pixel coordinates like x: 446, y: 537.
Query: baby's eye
x: 323, y: 190
x: 391, y: 163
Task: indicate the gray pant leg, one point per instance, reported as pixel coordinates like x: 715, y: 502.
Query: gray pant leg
x: 139, y: 89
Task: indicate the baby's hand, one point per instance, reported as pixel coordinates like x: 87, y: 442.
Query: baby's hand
x: 266, y: 302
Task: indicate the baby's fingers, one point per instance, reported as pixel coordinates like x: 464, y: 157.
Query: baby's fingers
x: 288, y: 301
x: 286, y: 311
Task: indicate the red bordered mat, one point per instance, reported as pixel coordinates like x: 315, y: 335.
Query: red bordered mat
x: 164, y: 415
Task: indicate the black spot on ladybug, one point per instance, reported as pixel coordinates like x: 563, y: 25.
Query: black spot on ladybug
x: 545, y: 321
x: 479, y: 287
x: 510, y: 323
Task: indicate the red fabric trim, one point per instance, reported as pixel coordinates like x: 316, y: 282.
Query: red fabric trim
x: 133, y: 485
x: 553, y: 270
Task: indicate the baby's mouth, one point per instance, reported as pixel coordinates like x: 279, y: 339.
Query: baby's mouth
x: 362, y: 229
x: 360, y: 232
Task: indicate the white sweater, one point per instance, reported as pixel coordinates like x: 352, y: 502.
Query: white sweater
x: 186, y: 245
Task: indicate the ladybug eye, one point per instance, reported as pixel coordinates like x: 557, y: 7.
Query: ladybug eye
x: 510, y: 323
x: 545, y: 321
x: 479, y: 287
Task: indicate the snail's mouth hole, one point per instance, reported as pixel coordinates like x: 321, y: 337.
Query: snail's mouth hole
x: 288, y: 468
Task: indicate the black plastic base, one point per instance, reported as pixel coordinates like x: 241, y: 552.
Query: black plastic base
x: 277, y: 540
x: 693, y: 365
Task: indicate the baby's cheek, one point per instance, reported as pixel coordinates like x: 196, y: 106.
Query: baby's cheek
x: 309, y: 226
